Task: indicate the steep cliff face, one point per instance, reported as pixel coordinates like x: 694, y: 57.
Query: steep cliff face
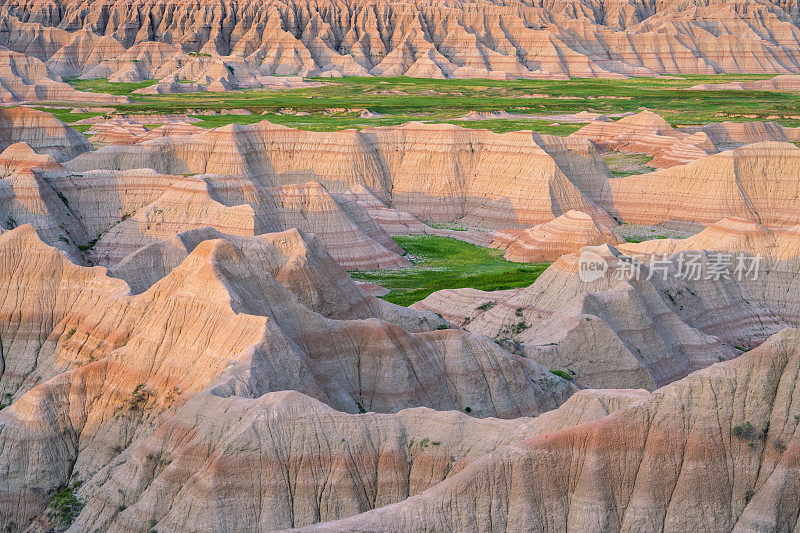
x: 241, y: 43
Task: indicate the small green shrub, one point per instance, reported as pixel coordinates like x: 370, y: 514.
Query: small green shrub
x: 746, y: 431
x: 66, y: 504
x: 89, y: 246
x: 562, y: 374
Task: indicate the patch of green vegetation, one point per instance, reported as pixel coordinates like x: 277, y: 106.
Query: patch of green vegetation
x: 198, y: 54
x: 66, y: 504
x: 66, y: 115
x: 648, y: 238
x: 624, y: 164
x: 335, y: 104
x: 747, y: 432
x: 102, y: 85
x: 562, y: 374
x: 83, y: 128
x: 84, y: 247
x: 216, y: 121
x: 445, y: 263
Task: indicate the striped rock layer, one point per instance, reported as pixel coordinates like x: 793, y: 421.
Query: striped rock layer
x: 225, y: 45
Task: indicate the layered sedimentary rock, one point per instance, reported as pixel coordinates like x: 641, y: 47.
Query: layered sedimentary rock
x: 243, y: 42
x: 82, y: 362
x: 547, y: 242
x: 649, y: 134
x: 24, y: 78
x: 482, y: 178
x: 19, y: 156
x: 102, y: 216
x: 647, y: 319
x: 647, y: 467
x: 736, y: 134
x: 399, y: 456
x: 44, y: 133
x: 489, y: 180
x: 758, y: 182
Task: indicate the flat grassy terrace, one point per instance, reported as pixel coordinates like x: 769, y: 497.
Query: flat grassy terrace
x: 444, y: 263
x: 337, y: 104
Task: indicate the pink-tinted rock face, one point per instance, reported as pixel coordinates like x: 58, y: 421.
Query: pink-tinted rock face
x: 242, y: 43
x: 42, y: 132
x: 644, y: 331
x: 216, y: 317
x: 647, y: 467
x: 547, y: 242
x: 487, y: 179
x: 24, y: 78
x: 757, y: 181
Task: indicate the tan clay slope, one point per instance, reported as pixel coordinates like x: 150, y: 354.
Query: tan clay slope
x: 617, y: 331
x: 759, y: 182
x: 24, y: 78
x: 285, y: 460
x: 102, y: 216
x: 19, y: 156
x: 486, y: 179
x: 620, y: 332
x: 219, y: 321
x: 547, y: 242
x: 42, y: 132
x: 126, y: 41
x: 649, y: 134
x: 674, y: 462
x: 297, y: 261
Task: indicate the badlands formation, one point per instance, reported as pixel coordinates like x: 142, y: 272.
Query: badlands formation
x: 183, y: 344
x: 183, y: 348
x: 209, y: 46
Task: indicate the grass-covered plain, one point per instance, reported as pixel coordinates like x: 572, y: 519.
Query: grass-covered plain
x: 444, y: 263
x: 102, y: 85
x: 337, y: 103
